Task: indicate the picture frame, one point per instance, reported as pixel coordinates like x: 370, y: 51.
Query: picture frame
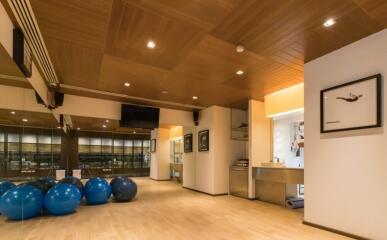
x: 203, y: 141
x: 153, y: 145
x: 188, y: 143
x: 22, y: 54
x: 351, y: 106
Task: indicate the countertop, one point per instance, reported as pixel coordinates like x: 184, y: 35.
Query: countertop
x: 283, y: 168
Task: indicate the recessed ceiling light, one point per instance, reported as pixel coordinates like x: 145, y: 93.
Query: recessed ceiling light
x: 25, y: 120
x: 107, y: 121
x: 13, y: 112
x: 78, y: 129
x: 127, y: 84
x: 104, y: 126
x: 240, y: 48
x: 164, y: 92
x: 240, y: 72
x: 329, y: 22
x: 195, y: 97
x: 151, y: 44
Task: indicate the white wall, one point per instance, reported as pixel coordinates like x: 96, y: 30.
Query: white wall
x: 259, y: 139
x: 159, y: 169
x: 346, y: 173
x: 209, y: 171
x: 204, y: 171
x: 6, y: 26
x: 226, y: 151
x: 189, y: 160
x: 22, y: 99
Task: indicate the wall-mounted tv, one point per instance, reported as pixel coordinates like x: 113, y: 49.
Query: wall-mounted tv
x: 139, y: 117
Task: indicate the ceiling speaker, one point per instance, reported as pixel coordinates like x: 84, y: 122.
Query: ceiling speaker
x: 196, y: 117
x: 59, y: 98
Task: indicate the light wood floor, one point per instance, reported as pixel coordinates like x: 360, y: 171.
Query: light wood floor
x: 164, y: 210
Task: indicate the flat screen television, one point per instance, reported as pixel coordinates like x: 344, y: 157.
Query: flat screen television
x: 139, y: 117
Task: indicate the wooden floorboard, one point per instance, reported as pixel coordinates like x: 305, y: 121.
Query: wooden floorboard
x: 165, y: 210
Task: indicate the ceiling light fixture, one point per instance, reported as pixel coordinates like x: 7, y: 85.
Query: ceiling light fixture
x: 134, y: 132
x: 13, y: 112
x: 151, y: 44
x: 240, y: 48
x: 58, y: 127
x: 107, y: 121
x: 25, y: 120
x: 329, y: 22
x: 78, y: 129
x: 195, y: 97
x: 127, y: 84
x: 240, y: 72
x: 104, y: 126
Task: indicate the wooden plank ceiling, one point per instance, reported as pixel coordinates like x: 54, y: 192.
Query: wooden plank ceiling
x: 101, y: 44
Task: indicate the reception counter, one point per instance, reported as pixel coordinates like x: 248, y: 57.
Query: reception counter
x: 274, y: 184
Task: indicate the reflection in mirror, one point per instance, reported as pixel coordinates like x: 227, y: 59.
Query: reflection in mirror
x: 105, y: 149
x: 29, y: 145
x: 30, y: 150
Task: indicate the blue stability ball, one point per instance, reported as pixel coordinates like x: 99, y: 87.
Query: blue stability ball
x: 63, y: 198
x: 5, y: 186
x: 49, y: 180
x: 76, y: 182
x: 123, y: 189
x: 118, y: 178
x: 41, y: 184
x: 97, y: 191
x: 22, y: 202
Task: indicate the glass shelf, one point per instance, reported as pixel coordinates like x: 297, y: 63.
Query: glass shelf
x: 239, y: 127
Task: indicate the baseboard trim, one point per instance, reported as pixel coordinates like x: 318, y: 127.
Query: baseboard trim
x: 350, y: 235
x: 214, y: 195
x: 168, y: 179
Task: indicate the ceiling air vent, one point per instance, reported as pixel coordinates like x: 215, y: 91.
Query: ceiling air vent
x: 25, y: 17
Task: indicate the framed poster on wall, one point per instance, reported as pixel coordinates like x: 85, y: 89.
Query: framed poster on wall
x: 203, y: 141
x: 350, y: 106
x: 188, y: 143
x: 153, y: 145
x: 22, y: 54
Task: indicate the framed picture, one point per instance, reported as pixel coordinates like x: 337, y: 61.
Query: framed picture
x: 22, y: 54
x: 204, y: 141
x: 350, y: 106
x: 153, y: 145
x: 188, y: 143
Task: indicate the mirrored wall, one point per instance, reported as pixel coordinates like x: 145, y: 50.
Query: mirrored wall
x: 118, y: 154
x: 30, y: 145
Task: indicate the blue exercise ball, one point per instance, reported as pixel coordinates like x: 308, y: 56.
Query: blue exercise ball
x: 63, y: 198
x: 76, y: 182
x: 21, y: 202
x: 5, y: 186
x: 50, y: 180
x: 123, y: 189
x: 41, y: 184
x: 97, y: 191
x: 118, y: 178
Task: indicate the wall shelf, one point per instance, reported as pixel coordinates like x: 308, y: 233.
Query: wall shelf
x: 239, y: 127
